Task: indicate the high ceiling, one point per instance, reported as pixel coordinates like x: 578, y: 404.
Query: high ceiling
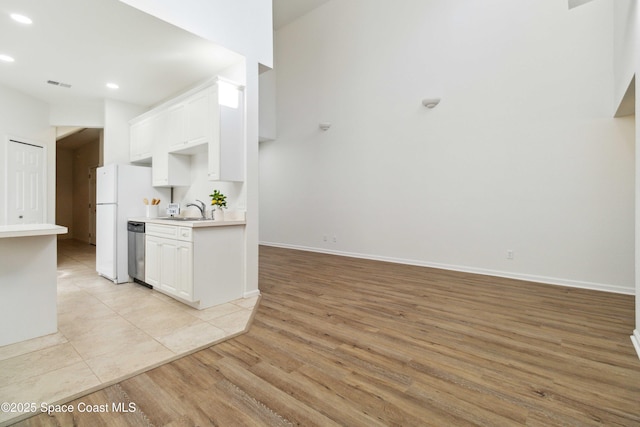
x: 87, y: 44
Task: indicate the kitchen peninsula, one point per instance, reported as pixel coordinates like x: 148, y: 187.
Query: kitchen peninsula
x: 28, y: 274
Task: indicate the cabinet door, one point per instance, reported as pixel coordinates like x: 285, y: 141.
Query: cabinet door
x: 189, y: 125
x: 160, y: 169
x: 152, y: 261
x: 199, y: 118
x: 169, y: 266
x: 226, y: 147
x: 177, y: 125
x: 141, y: 140
x: 185, y: 270
x: 169, y: 273
x: 213, y: 159
x: 171, y: 170
x: 159, y: 133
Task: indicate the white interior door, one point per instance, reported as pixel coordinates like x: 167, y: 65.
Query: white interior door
x: 25, y: 183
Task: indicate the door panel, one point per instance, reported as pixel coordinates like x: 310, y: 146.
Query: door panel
x: 152, y: 261
x: 169, y: 267
x: 185, y: 270
x: 25, y: 183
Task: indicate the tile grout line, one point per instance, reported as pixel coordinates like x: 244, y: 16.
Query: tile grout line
x: 87, y: 272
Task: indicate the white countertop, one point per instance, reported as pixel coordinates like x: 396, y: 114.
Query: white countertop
x: 190, y: 224
x: 29, y: 230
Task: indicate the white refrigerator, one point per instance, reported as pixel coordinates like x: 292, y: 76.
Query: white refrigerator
x: 120, y: 191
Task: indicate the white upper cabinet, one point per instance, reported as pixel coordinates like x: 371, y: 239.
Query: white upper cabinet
x: 167, y: 170
x: 209, y: 119
x: 171, y: 170
x: 199, y: 127
x: 177, y: 126
x: 141, y: 135
x: 190, y: 124
x: 226, y: 149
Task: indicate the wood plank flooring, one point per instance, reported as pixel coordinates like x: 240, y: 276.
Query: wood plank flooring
x: 350, y: 342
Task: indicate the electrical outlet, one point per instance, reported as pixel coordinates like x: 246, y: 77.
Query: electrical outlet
x: 324, y: 238
x: 335, y: 239
x: 510, y: 254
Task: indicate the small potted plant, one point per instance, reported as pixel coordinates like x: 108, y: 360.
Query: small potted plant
x: 218, y: 201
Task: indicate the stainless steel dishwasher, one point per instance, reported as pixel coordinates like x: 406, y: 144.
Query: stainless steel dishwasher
x: 135, y: 231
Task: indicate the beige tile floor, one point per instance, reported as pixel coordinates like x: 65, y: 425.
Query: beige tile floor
x: 107, y: 333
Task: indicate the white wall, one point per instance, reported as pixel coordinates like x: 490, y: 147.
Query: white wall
x: 201, y: 188
x: 267, y: 129
x: 27, y: 118
x: 625, y: 45
x: 84, y: 114
x: 116, y: 130
x: 521, y: 154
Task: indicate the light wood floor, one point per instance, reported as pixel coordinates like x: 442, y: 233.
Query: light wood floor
x: 340, y: 341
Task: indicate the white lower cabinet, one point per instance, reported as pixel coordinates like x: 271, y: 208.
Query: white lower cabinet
x: 176, y: 270
x: 152, y: 260
x: 169, y: 262
x: 201, y: 266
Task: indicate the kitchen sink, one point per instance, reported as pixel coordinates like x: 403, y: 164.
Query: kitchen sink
x: 184, y: 218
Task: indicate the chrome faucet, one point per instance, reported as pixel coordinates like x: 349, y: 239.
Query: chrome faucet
x: 200, y: 207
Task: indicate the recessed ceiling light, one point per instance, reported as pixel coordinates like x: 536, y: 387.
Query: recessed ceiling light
x: 6, y: 58
x: 21, y: 18
x: 113, y: 86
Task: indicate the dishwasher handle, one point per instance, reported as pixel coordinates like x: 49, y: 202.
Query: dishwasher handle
x: 136, y: 227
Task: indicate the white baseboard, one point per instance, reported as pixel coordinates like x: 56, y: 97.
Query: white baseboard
x: 509, y: 275
x: 635, y: 339
x: 251, y: 294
